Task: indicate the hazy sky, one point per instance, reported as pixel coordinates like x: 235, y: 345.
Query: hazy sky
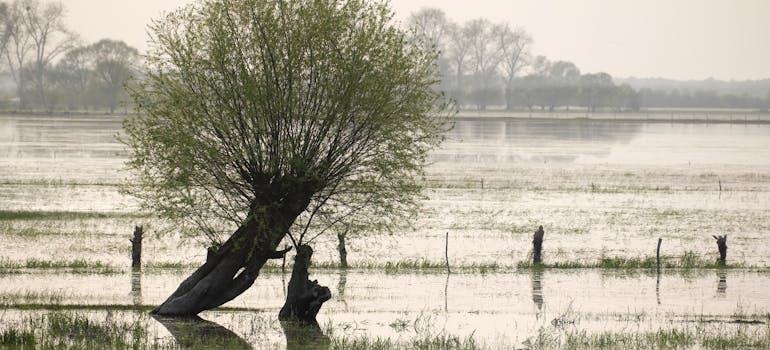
x: 680, y: 39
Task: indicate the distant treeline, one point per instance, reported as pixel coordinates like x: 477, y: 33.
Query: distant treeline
x: 486, y: 64
x: 45, y: 66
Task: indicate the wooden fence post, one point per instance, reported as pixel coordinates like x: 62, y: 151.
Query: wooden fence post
x: 537, y: 243
x: 657, y: 254
x: 446, y: 253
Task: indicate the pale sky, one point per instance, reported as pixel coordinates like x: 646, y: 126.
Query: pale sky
x: 678, y: 39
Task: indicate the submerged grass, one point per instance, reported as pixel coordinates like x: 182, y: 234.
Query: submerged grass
x: 406, y: 266
x: 70, y: 330
x: 689, y: 260
x: 130, y: 330
x: 10, y: 215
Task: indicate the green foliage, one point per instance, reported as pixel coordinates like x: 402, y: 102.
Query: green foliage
x: 251, y: 103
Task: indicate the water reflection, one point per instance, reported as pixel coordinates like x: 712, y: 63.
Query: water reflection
x: 722, y: 284
x: 537, y: 291
x: 136, y: 286
x: 446, y: 294
x: 197, y: 333
x: 341, y: 283
x: 485, y: 140
x: 304, y: 336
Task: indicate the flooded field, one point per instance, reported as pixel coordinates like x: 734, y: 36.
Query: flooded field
x: 604, y: 191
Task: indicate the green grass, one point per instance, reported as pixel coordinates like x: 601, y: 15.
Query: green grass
x: 673, y: 338
x: 689, y: 260
x: 75, y: 265
x: 17, y: 339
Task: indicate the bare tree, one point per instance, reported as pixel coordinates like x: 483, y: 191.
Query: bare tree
x: 458, y: 54
x: 36, y: 37
x: 485, y: 57
x: 5, y: 25
x: 430, y: 27
x: 114, y: 63
x: 74, y: 74
x: 513, y: 45
x: 17, y: 47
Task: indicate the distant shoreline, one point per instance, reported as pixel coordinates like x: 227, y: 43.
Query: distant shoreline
x: 681, y: 116
x: 668, y: 116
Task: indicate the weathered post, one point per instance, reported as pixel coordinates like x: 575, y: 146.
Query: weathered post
x: 722, y: 245
x: 136, y: 248
x: 537, y: 243
x: 446, y: 253
x: 657, y: 254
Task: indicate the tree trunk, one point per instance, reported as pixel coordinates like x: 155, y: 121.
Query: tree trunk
x: 304, y: 297
x: 231, y: 269
x: 342, y: 250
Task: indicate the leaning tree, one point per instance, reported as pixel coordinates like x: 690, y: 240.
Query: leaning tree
x: 266, y: 119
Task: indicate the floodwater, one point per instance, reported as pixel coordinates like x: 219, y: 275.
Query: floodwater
x: 497, y: 308
x: 599, y: 188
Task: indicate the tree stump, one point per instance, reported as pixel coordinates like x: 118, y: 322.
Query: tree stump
x: 304, y: 297
x: 136, y: 248
x: 342, y: 250
x: 537, y: 243
x: 722, y: 246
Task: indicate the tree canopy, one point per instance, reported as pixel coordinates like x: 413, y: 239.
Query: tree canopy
x: 247, y: 103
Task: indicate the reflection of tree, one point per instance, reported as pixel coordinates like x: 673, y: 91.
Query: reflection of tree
x: 197, y: 333
x: 300, y: 336
x: 494, y: 137
x: 136, y: 286
x: 657, y: 286
x: 537, y: 290
x: 341, y: 283
x: 722, y: 284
